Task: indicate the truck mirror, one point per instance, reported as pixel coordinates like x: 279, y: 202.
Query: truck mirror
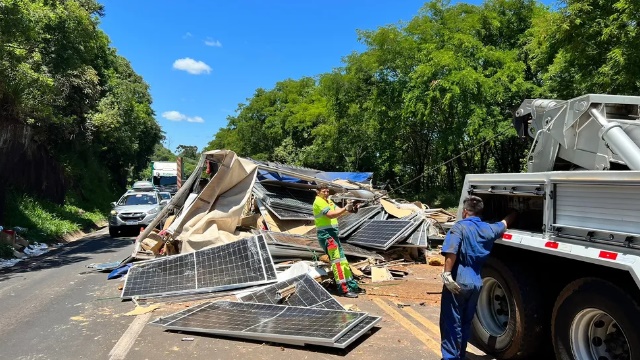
x: 113, y: 204
x: 164, y: 202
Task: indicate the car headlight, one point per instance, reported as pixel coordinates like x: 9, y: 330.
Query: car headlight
x: 113, y: 212
x: 153, y: 211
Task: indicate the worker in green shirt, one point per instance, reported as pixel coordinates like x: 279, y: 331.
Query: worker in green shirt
x: 326, y: 215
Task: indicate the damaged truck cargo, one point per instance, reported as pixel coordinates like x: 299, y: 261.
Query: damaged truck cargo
x: 236, y: 221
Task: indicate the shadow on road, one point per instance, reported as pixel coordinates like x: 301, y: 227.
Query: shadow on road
x: 68, y: 254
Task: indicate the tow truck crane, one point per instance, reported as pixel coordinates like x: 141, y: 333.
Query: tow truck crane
x: 568, y: 271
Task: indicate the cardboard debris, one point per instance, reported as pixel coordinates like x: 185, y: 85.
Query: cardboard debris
x: 394, y: 210
x: 152, y: 245
x: 379, y: 274
x: 139, y: 310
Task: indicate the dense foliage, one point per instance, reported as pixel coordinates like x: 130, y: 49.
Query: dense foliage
x: 83, y: 103
x: 432, y: 99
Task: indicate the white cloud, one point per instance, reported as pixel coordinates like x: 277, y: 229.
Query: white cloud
x: 178, y: 116
x: 187, y: 35
x: 195, y: 119
x: 191, y: 66
x: 173, y: 115
x: 211, y: 42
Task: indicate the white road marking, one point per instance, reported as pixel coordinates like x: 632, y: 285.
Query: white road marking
x: 122, y: 347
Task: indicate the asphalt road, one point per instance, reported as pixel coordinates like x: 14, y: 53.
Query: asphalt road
x: 54, y: 307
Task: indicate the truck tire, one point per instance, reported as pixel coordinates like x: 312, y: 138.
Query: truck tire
x: 113, y: 232
x: 507, y: 323
x: 594, y: 319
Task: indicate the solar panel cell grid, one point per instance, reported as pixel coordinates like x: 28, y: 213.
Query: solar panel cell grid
x: 287, y: 322
x: 240, y: 263
x: 379, y: 233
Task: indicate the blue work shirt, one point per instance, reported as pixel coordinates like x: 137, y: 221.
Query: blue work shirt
x: 471, y: 239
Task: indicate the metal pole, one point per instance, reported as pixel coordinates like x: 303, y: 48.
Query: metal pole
x: 618, y: 140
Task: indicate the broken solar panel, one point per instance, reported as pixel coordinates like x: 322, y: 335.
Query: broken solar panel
x: 301, y: 290
x: 380, y: 234
x: 284, y: 214
x: 308, y: 243
x: 242, y: 263
x: 277, y: 323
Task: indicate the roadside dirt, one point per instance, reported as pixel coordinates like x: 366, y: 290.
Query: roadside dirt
x: 421, y: 285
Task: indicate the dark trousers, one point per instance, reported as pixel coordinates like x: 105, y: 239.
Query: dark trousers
x: 456, y: 313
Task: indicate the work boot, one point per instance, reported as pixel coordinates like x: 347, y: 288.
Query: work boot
x: 350, y: 294
x: 361, y: 291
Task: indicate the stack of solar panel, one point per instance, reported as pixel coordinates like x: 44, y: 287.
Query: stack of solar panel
x: 297, y: 311
x: 299, y: 246
x: 286, y: 203
x: 351, y: 222
x: 382, y: 234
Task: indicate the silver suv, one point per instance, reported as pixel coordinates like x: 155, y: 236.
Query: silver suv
x: 134, y: 210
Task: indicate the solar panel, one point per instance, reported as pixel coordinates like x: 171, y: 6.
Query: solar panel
x: 306, y: 293
x: 278, y: 323
x: 380, y: 234
x: 351, y: 221
x: 242, y: 263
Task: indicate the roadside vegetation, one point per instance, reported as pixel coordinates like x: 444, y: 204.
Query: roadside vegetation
x: 76, y: 119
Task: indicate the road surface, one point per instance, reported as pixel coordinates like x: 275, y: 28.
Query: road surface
x: 55, y: 307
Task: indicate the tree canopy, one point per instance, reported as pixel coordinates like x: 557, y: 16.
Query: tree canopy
x: 84, y: 104
x: 431, y: 100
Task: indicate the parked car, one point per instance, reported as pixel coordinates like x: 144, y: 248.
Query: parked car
x: 135, y: 209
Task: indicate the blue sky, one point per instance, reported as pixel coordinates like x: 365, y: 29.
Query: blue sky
x: 203, y: 58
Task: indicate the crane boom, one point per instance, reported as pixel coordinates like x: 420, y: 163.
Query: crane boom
x: 590, y: 132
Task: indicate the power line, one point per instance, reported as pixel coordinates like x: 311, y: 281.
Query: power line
x: 448, y: 161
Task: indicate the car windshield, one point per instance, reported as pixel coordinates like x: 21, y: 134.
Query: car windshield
x: 165, y: 196
x: 138, y: 199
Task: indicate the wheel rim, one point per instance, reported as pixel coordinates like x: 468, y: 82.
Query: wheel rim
x: 493, y: 307
x: 595, y: 335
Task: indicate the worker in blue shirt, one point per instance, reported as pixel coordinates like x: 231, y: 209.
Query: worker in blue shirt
x: 466, y: 248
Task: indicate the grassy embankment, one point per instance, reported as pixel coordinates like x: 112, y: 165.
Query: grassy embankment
x: 47, y: 222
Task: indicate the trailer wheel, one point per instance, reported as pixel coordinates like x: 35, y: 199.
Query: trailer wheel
x: 595, y: 320
x: 507, y: 322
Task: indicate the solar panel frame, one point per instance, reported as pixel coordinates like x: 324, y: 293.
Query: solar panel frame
x: 287, y: 324
x: 357, y: 331
x: 185, y: 273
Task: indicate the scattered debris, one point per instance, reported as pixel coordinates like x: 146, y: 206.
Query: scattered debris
x: 139, y: 310
x: 188, y: 339
x: 379, y: 274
